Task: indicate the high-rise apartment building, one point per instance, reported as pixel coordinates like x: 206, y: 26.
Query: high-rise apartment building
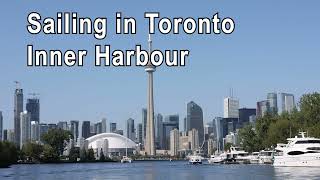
x: 231, y: 107
x: 25, y: 128
x: 195, y: 119
x: 131, y: 129
x: 18, y: 109
x: 33, y: 107
x: 174, y: 142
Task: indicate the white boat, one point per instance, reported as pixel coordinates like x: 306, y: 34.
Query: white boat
x: 195, y: 159
x: 126, y: 159
x: 299, y: 151
x: 218, y: 158
x: 239, y: 155
x: 254, y: 158
x: 266, y: 156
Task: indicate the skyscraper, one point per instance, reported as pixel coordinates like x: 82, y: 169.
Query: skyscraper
x: 139, y: 133
x: 273, y: 102
x: 174, y: 142
x: 98, y: 128
x: 25, y: 128
x: 18, y: 109
x: 195, y: 119
x: 43, y: 128
x: 1, y: 126
x: 231, y: 107
x: 35, y: 131
x: 171, y: 122
x: 150, y: 143
x: 193, y: 136
x: 130, y: 129
x: 74, y: 128
x: 263, y: 107
x: 86, y: 129
x: 158, y: 129
x: 288, y: 103
x: 104, y: 125
x: 244, y: 115
x: 113, y: 127
x: 33, y: 107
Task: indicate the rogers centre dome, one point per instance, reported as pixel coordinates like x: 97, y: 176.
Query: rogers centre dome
x: 111, y: 144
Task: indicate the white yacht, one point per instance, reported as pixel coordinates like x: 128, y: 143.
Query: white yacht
x: 218, y: 158
x: 239, y: 155
x: 195, y: 159
x: 254, y: 158
x: 266, y: 156
x: 299, y: 151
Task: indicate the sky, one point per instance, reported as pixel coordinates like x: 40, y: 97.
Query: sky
x: 274, y: 48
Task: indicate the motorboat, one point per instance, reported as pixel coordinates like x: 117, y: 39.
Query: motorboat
x: 126, y: 159
x: 218, y: 158
x: 254, y: 158
x: 239, y: 155
x: 299, y: 151
x: 195, y: 159
x: 266, y: 156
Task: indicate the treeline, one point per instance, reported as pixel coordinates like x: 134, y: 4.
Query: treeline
x: 273, y: 128
x: 51, y: 151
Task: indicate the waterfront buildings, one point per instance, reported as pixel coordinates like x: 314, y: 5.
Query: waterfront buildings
x: 171, y: 122
x: 130, y: 129
x: 86, y: 129
x: 288, y: 102
x: 193, y: 136
x: 195, y: 119
x: 174, y: 142
x: 231, y: 107
x: 18, y: 109
x: 144, y: 125
x: 25, y: 128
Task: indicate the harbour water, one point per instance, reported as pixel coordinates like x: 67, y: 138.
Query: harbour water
x: 159, y: 170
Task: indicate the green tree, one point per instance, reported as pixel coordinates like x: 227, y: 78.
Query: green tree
x: 57, y: 138
x: 74, y: 154
x: 33, y: 151
x: 83, y: 155
x: 8, y: 154
x: 91, y: 155
x: 249, y: 139
x: 102, y: 157
x: 49, y: 154
x: 227, y: 146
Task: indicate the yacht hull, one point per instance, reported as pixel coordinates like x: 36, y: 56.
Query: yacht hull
x: 310, y: 160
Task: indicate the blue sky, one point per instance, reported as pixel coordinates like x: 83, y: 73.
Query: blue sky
x: 275, y: 47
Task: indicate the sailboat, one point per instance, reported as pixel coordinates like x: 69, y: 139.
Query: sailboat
x: 126, y: 159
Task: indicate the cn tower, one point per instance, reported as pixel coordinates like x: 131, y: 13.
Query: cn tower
x: 149, y: 144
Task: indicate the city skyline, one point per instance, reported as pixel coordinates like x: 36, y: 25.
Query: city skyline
x: 212, y: 69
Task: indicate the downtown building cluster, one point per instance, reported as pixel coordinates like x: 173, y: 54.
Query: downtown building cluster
x: 170, y: 139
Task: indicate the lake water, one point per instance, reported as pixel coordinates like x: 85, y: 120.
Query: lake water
x: 178, y: 170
